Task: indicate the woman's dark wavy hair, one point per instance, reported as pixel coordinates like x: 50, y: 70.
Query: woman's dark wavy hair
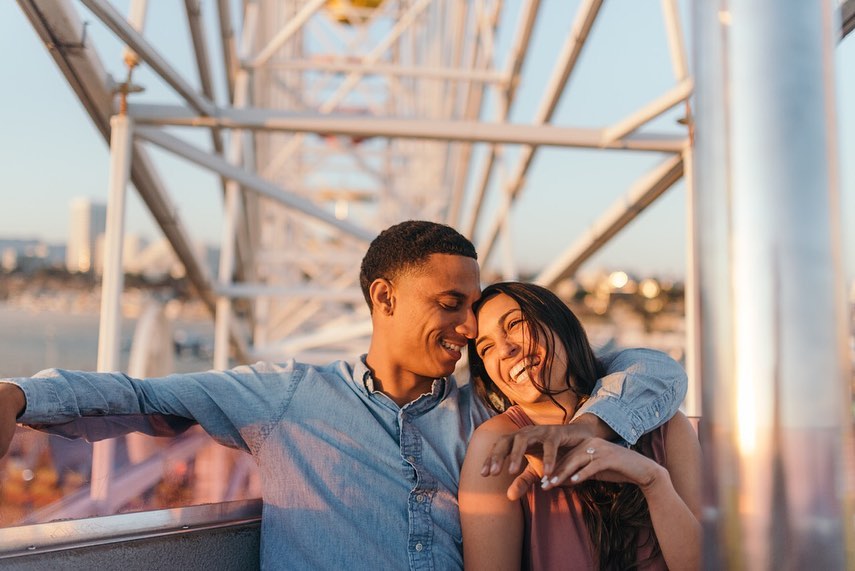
x: 616, y: 515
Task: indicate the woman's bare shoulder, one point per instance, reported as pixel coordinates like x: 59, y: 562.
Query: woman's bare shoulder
x: 499, y: 425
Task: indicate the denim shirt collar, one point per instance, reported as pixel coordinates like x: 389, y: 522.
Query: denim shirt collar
x: 440, y: 388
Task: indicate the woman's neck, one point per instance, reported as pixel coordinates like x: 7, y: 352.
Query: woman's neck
x: 546, y: 412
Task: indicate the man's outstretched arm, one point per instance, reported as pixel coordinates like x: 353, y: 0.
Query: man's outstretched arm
x: 235, y: 407
x: 12, y: 403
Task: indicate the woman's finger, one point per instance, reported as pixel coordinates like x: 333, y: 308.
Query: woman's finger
x: 494, y: 461
x: 522, y: 444
x: 579, y: 458
x: 550, y: 455
x: 522, y: 483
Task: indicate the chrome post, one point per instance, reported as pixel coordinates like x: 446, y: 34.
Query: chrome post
x: 773, y: 346
x: 112, y: 283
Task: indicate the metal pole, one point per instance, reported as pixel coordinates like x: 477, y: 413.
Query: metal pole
x: 774, y: 343
x: 692, y: 403
x: 212, y: 486
x: 711, y: 224
x: 112, y: 283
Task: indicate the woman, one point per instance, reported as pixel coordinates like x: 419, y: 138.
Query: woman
x: 625, y: 508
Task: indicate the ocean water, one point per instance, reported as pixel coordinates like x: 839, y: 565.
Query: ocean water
x: 33, y: 340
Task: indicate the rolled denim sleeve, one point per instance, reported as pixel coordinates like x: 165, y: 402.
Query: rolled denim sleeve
x: 235, y: 407
x: 642, y: 389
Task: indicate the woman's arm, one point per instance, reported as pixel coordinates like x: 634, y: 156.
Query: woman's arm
x: 674, y: 497
x: 672, y: 491
x: 492, y: 524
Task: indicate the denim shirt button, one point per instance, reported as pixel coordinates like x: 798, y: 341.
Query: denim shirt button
x: 411, y: 459
x: 420, y: 498
x: 419, y: 547
x: 656, y: 414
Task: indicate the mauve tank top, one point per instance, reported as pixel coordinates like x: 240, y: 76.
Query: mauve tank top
x: 555, y: 533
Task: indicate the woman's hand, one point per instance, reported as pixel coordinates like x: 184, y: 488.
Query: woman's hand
x: 543, y: 442
x: 598, y: 459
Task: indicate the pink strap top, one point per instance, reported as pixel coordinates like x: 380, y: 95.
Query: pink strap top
x: 556, y: 536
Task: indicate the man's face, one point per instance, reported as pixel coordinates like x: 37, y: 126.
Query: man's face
x: 433, y: 315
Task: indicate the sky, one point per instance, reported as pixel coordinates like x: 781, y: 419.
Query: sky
x: 51, y: 153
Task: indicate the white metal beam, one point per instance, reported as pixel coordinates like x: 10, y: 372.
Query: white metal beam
x: 516, y: 59
x: 114, y: 20
x: 624, y: 211
x: 431, y: 129
x: 423, y: 72
x: 847, y: 17
x: 660, y: 105
x: 251, y: 181
x: 200, y: 46
x: 674, y: 32
x: 581, y: 28
x: 352, y: 79
x: 293, y: 26
x: 232, y: 214
x: 247, y: 290
x: 112, y: 284
x: 227, y: 42
x: 328, y: 336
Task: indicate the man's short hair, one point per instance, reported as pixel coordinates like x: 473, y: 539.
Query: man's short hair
x: 407, y: 245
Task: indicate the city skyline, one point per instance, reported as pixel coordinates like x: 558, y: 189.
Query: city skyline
x: 83, y: 248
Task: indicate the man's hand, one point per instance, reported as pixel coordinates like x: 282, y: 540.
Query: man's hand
x: 544, y: 442
x: 12, y: 403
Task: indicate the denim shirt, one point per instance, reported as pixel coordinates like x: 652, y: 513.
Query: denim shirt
x: 349, y: 478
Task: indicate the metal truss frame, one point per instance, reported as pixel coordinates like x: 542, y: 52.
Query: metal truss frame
x: 401, y: 92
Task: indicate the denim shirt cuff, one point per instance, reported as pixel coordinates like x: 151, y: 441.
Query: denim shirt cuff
x: 42, y: 403
x: 624, y: 421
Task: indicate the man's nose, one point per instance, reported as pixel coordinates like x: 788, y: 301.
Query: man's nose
x: 469, y: 327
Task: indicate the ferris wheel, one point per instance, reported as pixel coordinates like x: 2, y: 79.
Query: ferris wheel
x: 326, y: 121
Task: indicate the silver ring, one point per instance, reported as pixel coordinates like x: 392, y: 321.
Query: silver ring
x: 590, y: 452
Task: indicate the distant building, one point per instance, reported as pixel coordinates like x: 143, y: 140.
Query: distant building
x: 132, y: 246
x: 158, y: 260
x: 10, y: 259
x: 29, y: 255
x: 88, y: 222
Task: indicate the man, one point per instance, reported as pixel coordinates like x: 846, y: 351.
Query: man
x: 359, y: 460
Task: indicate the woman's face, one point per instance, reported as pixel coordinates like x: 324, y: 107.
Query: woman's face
x: 510, y: 359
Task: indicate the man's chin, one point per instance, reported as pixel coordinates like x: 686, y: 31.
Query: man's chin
x: 442, y: 371
x: 448, y: 370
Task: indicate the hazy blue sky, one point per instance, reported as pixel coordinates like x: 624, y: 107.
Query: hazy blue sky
x: 51, y: 152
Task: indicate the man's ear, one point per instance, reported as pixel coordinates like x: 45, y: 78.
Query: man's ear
x: 382, y: 294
